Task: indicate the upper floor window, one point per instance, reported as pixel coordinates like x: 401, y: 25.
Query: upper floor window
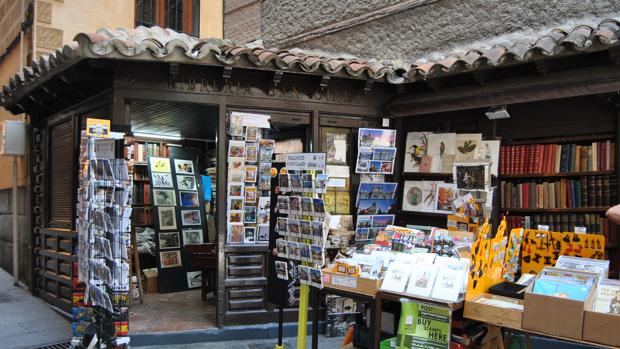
x: 180, y: 15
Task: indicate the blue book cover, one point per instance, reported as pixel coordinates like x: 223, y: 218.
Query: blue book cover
x: 564, y: 158
x: 206, y: 187
x: 561, y: 289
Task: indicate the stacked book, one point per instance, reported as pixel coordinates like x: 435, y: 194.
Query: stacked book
x: 143, y: 150
x: 587, y: 191
x: 556, y: 158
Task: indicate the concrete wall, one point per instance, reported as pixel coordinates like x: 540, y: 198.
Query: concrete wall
x: 434, y: 27
x: 6, y: 233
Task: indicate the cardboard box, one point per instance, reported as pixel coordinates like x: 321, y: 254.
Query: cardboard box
x: 349, y: 283
x: 150, y: 280
x: 555, y: 316
x: 600, y: 327
x: 496, y: 315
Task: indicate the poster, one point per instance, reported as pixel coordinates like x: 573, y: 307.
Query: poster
x: 424, y: 325
x: 376, y: 151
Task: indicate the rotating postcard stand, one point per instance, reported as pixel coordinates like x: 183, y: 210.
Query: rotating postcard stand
x: 300, y: 229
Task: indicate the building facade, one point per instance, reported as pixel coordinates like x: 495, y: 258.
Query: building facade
x: 50, y: 24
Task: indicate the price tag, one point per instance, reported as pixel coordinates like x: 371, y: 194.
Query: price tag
x: 543, y: 227
x: 581, y: 230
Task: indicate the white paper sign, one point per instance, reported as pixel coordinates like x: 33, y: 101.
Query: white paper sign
x: 257, y: 120
x: 305, y: 162
x: 344, y: 281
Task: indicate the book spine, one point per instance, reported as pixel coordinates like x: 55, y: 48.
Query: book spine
x: 584, y: 191
x: 599, y: 192
x: 606, y: 191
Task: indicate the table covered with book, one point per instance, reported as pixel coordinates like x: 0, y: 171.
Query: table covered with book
x: 552, y: 290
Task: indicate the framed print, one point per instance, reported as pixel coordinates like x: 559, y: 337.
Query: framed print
x: 250, y: 174
x: 251, y: 152
x: 444, y: 197
x: 186, y: 182
x: 265, y: 150
x: 236, y: 149
x: 194, y: 279
x: 489, y: 150
x: 159, y: 164
x: 192, y: 237
x: 189, y: 198
x: 184, y: 166
x: 263, y: 233
x: 235, y: 124
x: 235, y: 203
x: 164, y: 197
x: 472, y: 175
x: 250, y: 194
x: 466, y: 145
x: 416, y: 146
x: 249, y: 214
x: 249, y: 235
x: 190, y: 217
x: 235, y: 233
x: 235, y: 189
x: 162, y: 180
x: 167, y: 218
x: 170, y: 259
x: 235, y: 216
x: 169, y: 240
x: 335, y: 143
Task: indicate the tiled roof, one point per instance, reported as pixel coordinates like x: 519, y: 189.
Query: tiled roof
x: 157, y: 44
x: 554, y: 43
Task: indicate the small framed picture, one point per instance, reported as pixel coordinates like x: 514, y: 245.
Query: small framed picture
x: 170, y: 259
x: 249, y: 235
x: 249, y: 214
x: 235, y: 233
x: 263, y: 233
x: 251, y: 152
x: 235, y: 203
x: 189, y: 198
x: 192, y: 237
x: 251, y: 133
x: 250, y: 195
x: 235, y: 189
x: 184, y: 166
x: 168, y: 240
x: 159, y: 164
x: 250, y: 174
x: 264, y: 182
x: 162, y: 180
x: 164, y: 197
x: 472, y: 175
x: 236, y: 149
x: 186, y: 182
x: 235, y: 216
x: 167, y: 218
x: 236, y: 175
x: 264, y: 169
x: 194, y: 279
x: 190, y: 217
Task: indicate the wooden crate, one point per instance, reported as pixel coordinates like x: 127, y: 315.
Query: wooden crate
x: 495, y: 315
x: 350, y: 283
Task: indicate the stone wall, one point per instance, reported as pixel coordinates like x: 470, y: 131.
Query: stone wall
x: 242, y: 20
x: 6, y: 233
x: 425, y: 29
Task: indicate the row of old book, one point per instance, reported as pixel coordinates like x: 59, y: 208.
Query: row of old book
x: 556, y: 158
x: 586, y: 191
x: 141, y: 193
x: 142, y: 216
x: 141, y: 151
x: 594, y: 224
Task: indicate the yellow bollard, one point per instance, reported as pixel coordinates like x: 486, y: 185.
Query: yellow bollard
x: 302, y: 322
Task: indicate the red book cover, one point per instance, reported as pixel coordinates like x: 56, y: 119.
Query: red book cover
x: 569, y: 194
x: 528, y: 158
x: 513, y: 159
x: 523, y: 159
x: 536, y: 158
x: 544, y: 157
x: 603, y: 163
x: 501, y: 160
x: 526, y: 195
x: 550, y: 158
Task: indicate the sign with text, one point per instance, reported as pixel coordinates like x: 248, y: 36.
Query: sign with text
x: 305, y: 162
x: 424, y: 325
x: 98, y: 127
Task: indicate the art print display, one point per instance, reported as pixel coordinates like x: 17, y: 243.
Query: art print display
x: 162, y: 180
x: 265, y: 150
x: 189, y: 198
x: 466, y: 145
x: 472, y: 176
x: 168, y: 240
x: 376, y: 138
x: 444, y: 197
x: 441, y: 146
x: 186, y: 182
x: 164, y: 197
x: 194, y: 279
x: 249, y: 235
x: 190, y: 217
x: 416, y: 146
x: 236, y: 149
x: 167, y: 218
x: 376, y: 191
x: 159, y: 164
x: 235, y: 233
x: 170, y: 259
x: 489, y: 151
x: 419, y: 196
x: 184, y: 166
x: 192, y: 237
x: 251, y: 133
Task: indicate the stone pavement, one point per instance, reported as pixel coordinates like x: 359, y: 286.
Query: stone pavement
x: 27, y: 321
x: 289, y: 343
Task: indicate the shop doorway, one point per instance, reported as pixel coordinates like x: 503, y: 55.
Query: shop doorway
x: 174, y: 216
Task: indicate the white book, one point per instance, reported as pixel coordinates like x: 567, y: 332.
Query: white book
x: 421, y: 280
x: 448, y: 284
x: 558, y: 158
x: 396, y: 277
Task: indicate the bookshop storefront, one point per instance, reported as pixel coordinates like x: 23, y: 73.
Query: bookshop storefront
x: 412, y: 166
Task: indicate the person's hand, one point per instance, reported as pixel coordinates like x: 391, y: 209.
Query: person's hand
x: 614, y: 214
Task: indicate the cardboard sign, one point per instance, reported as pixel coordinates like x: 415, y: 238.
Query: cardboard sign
x: 256, y: 120
x: 305, y: 162
x: 424, y: 325
x: 98, y: 128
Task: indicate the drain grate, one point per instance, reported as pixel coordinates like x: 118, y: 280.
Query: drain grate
x: 62, y: 345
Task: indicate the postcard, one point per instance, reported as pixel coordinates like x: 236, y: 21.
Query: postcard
x: 235, y: 233
x: 236, y: 149
x: 304, y: 275
x: 304, y: 252
x: 306, y: 206
x: 249, y: 235
x: 317, y: 255
x: 265, y: 151
x: 466, y: 144
x: 283, y: 181
x: 305, y: 228
x: 236, y: 164
x: 251, y: 152
x: 264, y: 169
x: 372, y: 137
x: 186, y: 182
x: 318, y: 230
x: 170, y: 259
x: 184, y: 166
x: 235, y: 127
x: 376, y: 191
x: 318, y: 206
x: 384, y: 154
x: 169, y: 240
x: 294, y: 204
x: 321, y: 182
x: 293, y: 227
x: 415, y: 147
x: 190, y: 217
x: 250, y: 194
x: 316, y: 276
x: 282, y: 226
x: 162, y: 180
x: 282, y: 270
x: 376, y: 207
x: 382, y: 221
x: 192, y: 237
x: 448, y: 284
x: 251, y: 133
x: 421, y: 280
x: 281, y: 248
x: 608, y: 297
x: 164, y: 197
x: 283, y: 204
x: 235, y: 203
x: 167, y: 218
x: 159, y: 164
x: 441, y: 145
x: 264, y: 204
x: 292, y: 249
x: 250, y: 174
x: 444, y: 197
x: 294, y: 181
x: 263, y: 233
x: 264, y: 182
x: 235, y: 188
x: 361, y: 234
x: 249, y: 214
x: 189, y: 198
x: 396, y: 277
